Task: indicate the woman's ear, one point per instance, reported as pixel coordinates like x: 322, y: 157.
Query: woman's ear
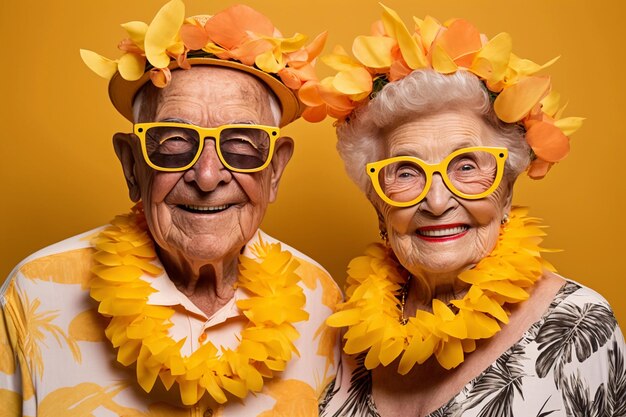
x: 283, y: 150
x: 123, y: 145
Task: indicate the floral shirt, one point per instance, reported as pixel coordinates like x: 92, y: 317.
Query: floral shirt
x: 56, y: 361
x: 572, y: 362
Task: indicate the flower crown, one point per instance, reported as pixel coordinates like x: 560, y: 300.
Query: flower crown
x: 238, y: 37
x: 392, y: 52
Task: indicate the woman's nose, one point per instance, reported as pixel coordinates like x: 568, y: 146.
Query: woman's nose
x: 439, y: 199
x: 208, y: 171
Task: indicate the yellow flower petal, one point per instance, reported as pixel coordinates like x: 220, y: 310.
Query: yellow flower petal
x: 373, y: 51
x: 411, y: 51
x: 162, y: 32
x: 355, y: 81
x: 516, y: 101
x: 493, y: 58
x: 339, y: 60
x: 268, y: 62
x: 102, y: 66
x: 429, y: 29
x: 136, y: 32
x: 418, y: 351
x: 569, y: 125
x: 550, y: 103
x: 131, y: 66
x: 524, y: 67
x: 442, y: 62
x: 450, y: 355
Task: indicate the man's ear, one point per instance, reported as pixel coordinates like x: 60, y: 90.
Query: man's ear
x: 123, y: 145
x: 283, y: 151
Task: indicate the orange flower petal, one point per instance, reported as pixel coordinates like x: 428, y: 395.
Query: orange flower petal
x: 547, y: 141
x: 248, y: 52
x: 230, y: 27
x: 516, y: 101
x: 160, y: 76
x: 309, y: 94
x: 538, y: 169
x: 314, y: 114
x: 290, y: 78
x: 398, y: 70
x: 316, y: 46
x: 461, y: 38
x: 193, y: 36
x: 378, y: 28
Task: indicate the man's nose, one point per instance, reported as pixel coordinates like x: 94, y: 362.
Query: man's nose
x: 208, y: 171
x: 439, y: 198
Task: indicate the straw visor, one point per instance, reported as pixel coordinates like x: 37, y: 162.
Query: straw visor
x: 122, y: 92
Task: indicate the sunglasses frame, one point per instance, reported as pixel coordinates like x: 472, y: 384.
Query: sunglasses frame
x: 140, y: 130
x: 373, y: 169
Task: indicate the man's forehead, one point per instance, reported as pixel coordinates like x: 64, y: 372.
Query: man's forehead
x: 215, y: 90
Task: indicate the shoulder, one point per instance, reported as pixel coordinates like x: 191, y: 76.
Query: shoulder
x: 576, y: 294
x: 65, y: 262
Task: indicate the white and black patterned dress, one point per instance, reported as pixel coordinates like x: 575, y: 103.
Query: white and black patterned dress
x: 572, y: 362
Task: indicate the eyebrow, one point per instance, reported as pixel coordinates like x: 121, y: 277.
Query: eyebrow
x: 187, y: 122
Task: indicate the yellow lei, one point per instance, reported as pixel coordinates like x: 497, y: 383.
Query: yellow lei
x: 125, y: 253
x: 372, y: 312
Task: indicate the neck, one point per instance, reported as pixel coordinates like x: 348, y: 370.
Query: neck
x: 208, y: 284
x: 423, y: 288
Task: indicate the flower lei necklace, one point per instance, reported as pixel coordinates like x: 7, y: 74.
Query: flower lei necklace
x: 373, y: 314
x: 125, y: 253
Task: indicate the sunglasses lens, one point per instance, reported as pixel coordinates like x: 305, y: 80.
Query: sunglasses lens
x: 402, y: 181
x: 245, y: 147
x: 473, y: 173
x: 171, y: 147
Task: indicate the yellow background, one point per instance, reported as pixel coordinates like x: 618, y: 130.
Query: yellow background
x: 60, y: 175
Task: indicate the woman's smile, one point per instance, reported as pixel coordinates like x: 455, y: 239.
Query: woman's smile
x: 443, y: 232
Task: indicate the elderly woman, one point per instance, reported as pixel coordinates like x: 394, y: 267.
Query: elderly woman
x: 457, y: 313
x: 193, y: 310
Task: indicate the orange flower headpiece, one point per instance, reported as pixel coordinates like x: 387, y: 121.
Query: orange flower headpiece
x: 238, y: 37
x: 392, y: 52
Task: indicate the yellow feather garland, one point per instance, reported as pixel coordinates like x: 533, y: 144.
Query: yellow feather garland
x: 140, y: 331
x: 372, y: 313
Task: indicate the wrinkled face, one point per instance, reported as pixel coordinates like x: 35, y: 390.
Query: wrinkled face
x: 207, y: 212
x: 442, y: 234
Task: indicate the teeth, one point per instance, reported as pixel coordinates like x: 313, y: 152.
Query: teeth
x: 443, y: 232
x: 207, y: 209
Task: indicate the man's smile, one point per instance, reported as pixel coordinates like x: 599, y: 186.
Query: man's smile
x: 192, y: 208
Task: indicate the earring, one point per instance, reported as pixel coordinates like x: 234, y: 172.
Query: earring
x: 505, y: 219
x: 384, y: 237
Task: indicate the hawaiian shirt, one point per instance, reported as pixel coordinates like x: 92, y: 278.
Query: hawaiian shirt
x: 56, y: 361
x: 572, y: 362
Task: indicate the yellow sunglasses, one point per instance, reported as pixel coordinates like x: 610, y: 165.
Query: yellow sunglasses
x: 470, y: 173
x: 171, y: 147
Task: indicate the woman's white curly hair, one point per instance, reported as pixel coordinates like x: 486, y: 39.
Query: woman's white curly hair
x: 423, y: 92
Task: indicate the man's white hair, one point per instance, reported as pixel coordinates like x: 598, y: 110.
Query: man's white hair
x: 423, y: 92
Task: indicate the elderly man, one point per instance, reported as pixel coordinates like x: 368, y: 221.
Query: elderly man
x: 182, y: 307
